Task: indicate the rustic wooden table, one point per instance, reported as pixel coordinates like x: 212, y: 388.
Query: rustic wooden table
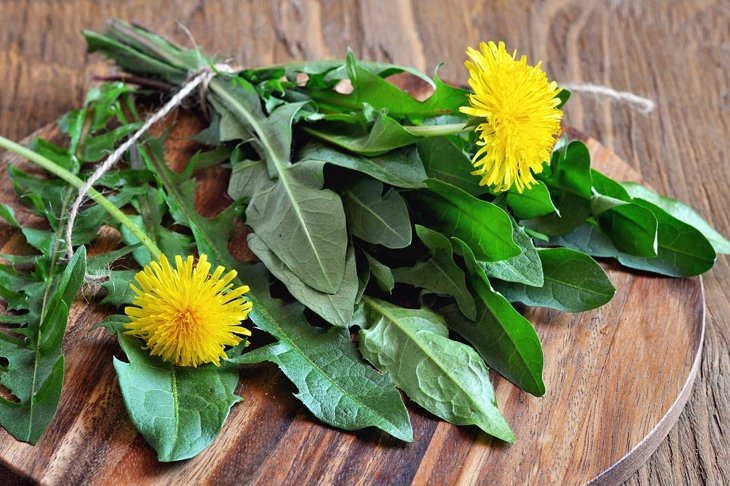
x: 677, y: 53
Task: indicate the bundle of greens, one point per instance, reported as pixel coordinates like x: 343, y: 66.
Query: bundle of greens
x: 385, y: 262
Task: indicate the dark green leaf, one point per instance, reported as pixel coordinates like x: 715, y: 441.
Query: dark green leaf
x: 682, y: 250
x: 631, y: 227
x: 486, y: 228
x: 439, y: 274
x: 446, y: 162
x: 34, y: 373
x: 332, y: 380
x: 178, y: 410
x: 399, y: 168
x: 682, y: 212
x: 570, y: 170
x: 574, y: 282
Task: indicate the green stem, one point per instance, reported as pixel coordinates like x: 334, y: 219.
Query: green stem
x: 436, y: 130
x: 73, y: 180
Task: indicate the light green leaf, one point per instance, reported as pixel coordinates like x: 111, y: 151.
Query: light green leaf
x: 376, y: 217
x: 304, y: 225
x: 446, y: 377
x: 574, y: 282
x: 334, y: 308
x: 439, y: 274
x: 178, y: 410
x: 381, y: 274
x: 486, y: 228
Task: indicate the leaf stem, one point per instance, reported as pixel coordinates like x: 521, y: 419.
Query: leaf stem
x: 436, y: 130
x: 73, y: 180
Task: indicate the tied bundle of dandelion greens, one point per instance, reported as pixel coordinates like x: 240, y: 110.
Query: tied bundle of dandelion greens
x: 375, y: 216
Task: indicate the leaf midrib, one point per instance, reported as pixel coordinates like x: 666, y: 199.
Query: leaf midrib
x: 353, y: 196
x: 278, y: 163
x: 425, y: 351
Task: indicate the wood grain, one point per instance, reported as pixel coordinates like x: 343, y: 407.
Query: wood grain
x: 675, y: 52
x: 605, y: 411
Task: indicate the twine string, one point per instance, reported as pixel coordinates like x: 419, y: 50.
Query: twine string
x: 642, y: 104
x: 201, y: 78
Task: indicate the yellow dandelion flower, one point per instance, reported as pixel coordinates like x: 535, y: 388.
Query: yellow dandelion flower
x: 521, y: 119
x: 187, y: 315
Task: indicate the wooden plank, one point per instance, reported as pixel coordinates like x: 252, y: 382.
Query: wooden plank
x: 617, y: 378
x: 675, y: 54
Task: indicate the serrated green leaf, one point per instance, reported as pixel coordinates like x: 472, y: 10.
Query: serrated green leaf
x: 34, y: 373
x: 483, y: 226
x: 178, y: 410
x: 332, y: 380
x: 574, y: 282
x: 446, y: 377
x: 376, y: 217
x: 399, y: 168
x: 370, y: 88
x: 439, y: 274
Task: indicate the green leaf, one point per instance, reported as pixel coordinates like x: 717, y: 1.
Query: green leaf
x: 531, y: 203
x: 34, y: 373
x: 439, y: 274
x: 572, y: 211
x: 303, y: 225
x: 682, y: 212
x: 446, y: 162
x: 524, y: 268
x: 502, y: 336
x: 574, y: 282
x: 570, y: 170
x: 372, y: 89
x: 178, y: 410
x: 399, y: 168
x: 589, y: 239
x: 247, y: 178
x: 332, y: 380
x: 445, y: 377
x: 335, y: 308
x: 631, y: 227
x: 376, y: 217
x: 381, y: 274
x: 682, y: 250
x: 383, y: 135
x: 486, y: 228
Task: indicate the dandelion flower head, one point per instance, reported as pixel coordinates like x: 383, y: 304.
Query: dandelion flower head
x: 520, y: 118
x: 186, y: 315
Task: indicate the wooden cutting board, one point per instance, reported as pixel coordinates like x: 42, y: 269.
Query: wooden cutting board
x: 617, y: 379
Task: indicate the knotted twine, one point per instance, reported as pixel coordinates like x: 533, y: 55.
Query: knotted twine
x: 200, y: 78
